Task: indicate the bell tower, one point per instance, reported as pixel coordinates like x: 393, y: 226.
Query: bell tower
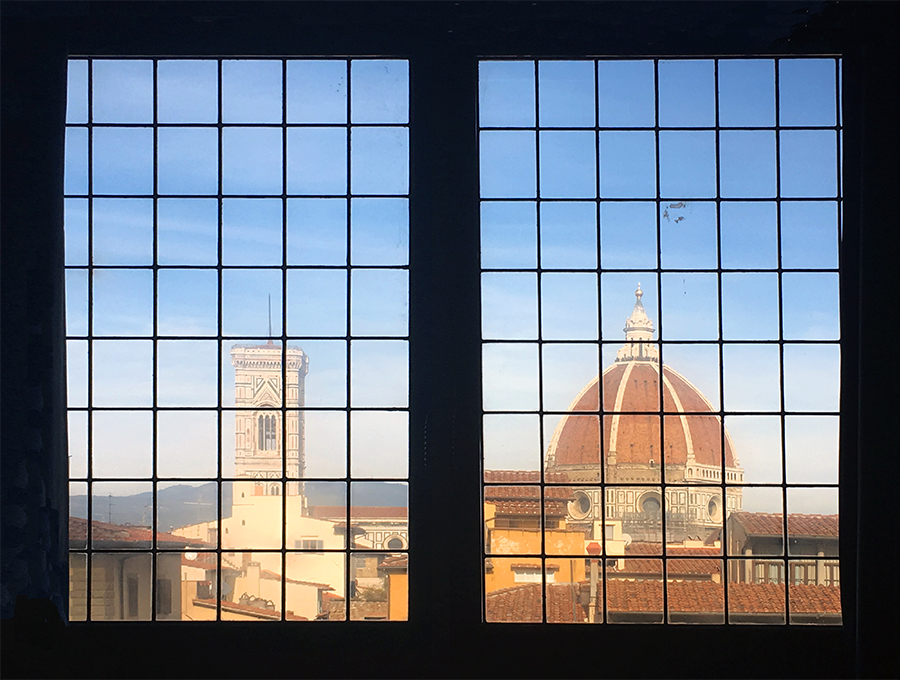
x: 269, y: 424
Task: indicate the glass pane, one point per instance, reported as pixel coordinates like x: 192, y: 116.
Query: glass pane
x: 317, y: 161
x: 380, y: 231
x: 326, y: 443
x: 122, y: 91
x: 379, y: 373
x: 510, y: 375
x: 509, y: 305
x: 627, y: 93
x: 750, y: 306
x: 245, y: 293
x: 379, y: 302
x: 178, y: 314
x: 806, y: 89
x: 748, y: 235
x: 690, y: 307
x: 316, y: 91
x: 378, y: 443
x: 76, y: 302
x: 808, y: 163
x: 77, y: 91
x: 200, y: 78
x: 747, y: 164
x: 568, y: 164
x: 567, y: 232
x: 180, y: 431
x: 121, y: 444
x: 76, y: 231
x: 627, y: 165
x: 122, y: 161
x: 687, y: 93
x: 687, y: 164
x: 688, y: 234
x: 120, y: 587
x: 186, y: 373
x: 317, y: 302
x: 508, y: 162
x: 317, y: 231
x: 251, y: 231
x: 746, y: 92
x: 752, y: 377
x: 122, y: 231
x: 511, y: 442
x: 188, y: 161
x: 379, y: 160
x: 188, y: 231
x: 251, y: 91
x: 122, y: 372
x: 379, y: 91
x: 76, y: 170
x: 628, y: 235
x: 506, y: 93
x: 509, y: 234
x: 567, y: 368
x: 251, y: 161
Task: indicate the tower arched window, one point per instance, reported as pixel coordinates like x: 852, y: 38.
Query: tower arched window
x: 266, y: 433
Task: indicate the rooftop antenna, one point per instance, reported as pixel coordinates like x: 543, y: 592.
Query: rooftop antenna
x: 270, y: 321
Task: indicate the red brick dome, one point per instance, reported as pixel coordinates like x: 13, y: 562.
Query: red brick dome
x: 632, y: 423
x: 633, y: 418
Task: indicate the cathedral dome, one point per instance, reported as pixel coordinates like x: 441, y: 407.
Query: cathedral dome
x: 632, y: 424
x: 632, y: 435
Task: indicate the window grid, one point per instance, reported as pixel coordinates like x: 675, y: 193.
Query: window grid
x: 725, y: 483
x: 348, y: 337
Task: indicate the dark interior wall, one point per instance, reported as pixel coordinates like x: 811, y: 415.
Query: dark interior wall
x: 448, y: 641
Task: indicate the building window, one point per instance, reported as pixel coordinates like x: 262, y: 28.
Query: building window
x: 164, y: 597
x: 132, y: 597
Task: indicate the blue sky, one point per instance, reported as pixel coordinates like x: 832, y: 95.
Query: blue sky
x: 554, y: 154
x: 578, y: 233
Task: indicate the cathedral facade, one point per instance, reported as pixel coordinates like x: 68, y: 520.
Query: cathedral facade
x: 637, y: 447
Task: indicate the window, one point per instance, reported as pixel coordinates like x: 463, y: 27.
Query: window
x: 195, y: 189
x: 722, y: 212
x: 675, y: 33
x: 164, y: 596
x: 132, y: 597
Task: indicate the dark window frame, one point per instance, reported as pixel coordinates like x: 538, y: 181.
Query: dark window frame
x: 443, y: 42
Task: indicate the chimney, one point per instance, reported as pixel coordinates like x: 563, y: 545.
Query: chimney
x: 252, y: 572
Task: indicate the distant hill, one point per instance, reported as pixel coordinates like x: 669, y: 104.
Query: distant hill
x: 182, y: 505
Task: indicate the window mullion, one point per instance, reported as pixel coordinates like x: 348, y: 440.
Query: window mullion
x: 445, y: 375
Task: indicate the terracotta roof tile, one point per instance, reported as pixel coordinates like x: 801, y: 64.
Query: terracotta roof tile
x: 395, y: 562
x: 502, y: 476
x: 525, y: 500
x: 259, y: 612
x: 272, y: 576
x: 123, y: 533
x: 771, y: 524
x: 643, y: 548
x: 522, y: 603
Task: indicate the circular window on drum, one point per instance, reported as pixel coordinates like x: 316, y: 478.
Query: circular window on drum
x: 650, y: 505
x: 714, y: 508
x: 395, y: 542
x: 581, y: 505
